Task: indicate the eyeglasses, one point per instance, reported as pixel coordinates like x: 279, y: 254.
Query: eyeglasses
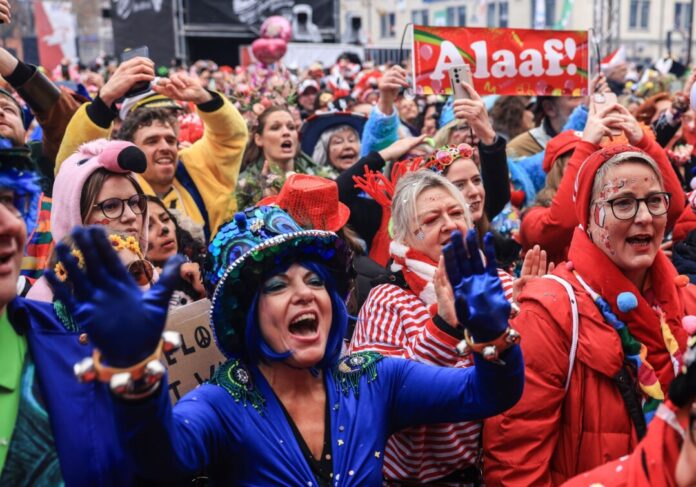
x: 113, y: 208
x: 142, y: 271
x: 626, y: 207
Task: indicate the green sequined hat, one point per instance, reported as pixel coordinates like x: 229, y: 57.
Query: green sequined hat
x: 242, y: 254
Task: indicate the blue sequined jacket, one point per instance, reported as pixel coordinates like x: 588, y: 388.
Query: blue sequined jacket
x: 235, y: 428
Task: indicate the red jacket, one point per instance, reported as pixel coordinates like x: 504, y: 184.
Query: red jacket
x: 652, y: 464
x: 552, y: 227
x: 550, y: 435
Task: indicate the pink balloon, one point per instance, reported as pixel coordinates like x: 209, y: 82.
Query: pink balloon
x: 269, y: 51
x: 276, y: 27
x: 426, y: 51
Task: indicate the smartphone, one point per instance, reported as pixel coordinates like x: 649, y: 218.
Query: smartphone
x: 457, y: 74
x: 127, y: 54
x: 601, y: 100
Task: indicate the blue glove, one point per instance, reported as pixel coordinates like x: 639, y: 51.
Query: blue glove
x: 479, y: 300
x: 124, y: 323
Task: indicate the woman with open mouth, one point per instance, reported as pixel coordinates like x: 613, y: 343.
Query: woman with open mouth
x: 285, y: 409
x: 272, y: 152
x: 607, y: 329
x: 333, y: 140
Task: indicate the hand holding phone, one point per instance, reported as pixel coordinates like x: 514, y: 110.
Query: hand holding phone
x: 602, y: 100
x: 128, y: 54
x: 457, y: 74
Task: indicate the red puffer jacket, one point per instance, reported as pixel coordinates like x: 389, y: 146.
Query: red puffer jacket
x: 552, y: 435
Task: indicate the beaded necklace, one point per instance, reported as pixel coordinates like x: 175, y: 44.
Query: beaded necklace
x: 637, y: 352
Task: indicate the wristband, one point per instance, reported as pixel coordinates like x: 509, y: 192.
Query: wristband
x: 133, y: 382
x: 489, y: 350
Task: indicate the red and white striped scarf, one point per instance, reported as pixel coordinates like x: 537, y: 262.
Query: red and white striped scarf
x: 418, y: 270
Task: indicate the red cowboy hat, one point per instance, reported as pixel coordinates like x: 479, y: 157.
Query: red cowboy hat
x: 312, y: 201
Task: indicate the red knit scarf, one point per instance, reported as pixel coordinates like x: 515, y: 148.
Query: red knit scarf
x: 602, y: 275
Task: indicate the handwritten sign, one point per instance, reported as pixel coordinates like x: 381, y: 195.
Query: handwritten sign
x: 503, y: 61
x: 196, y: 360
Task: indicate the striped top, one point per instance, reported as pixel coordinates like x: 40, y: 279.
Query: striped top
x: 396, y: 323
x: 39, y: 244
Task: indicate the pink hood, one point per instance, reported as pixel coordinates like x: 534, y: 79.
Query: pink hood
x: 116, y: 156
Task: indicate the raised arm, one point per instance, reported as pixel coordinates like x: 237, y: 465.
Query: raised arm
x: 494, y: 170
x: 93, y: 120
x: 495, y: 382
x: 381, y: 129
x: 125, y: 326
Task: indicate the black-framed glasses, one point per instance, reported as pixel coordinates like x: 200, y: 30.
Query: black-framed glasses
x: 113, y: 208
x: 142, y: 271
x: 626, y: 207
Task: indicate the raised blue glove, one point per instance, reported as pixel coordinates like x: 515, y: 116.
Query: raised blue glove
x: 479, y: 300
x: 124, y: 323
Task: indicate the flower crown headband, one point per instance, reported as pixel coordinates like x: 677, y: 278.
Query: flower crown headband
x: 117, y: 242
x: 446, y: 155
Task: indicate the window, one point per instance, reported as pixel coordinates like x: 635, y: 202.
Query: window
x: 545, y: 16
x: 420, y: 17
x: 682, y: 16
x: 497, y: 14
x: 387, y: 25
x: 639, y: 14
x: 461, y: 16
x: 450, y: 17
x: 503, y: 12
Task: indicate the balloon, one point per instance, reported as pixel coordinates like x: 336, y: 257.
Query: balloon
x: 269, y: 51
x: 276, y: 27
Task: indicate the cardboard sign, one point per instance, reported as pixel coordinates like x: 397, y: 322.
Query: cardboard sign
x: 503, y: 61
x: 196, y: 360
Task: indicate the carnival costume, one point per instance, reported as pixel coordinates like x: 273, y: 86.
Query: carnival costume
x: 118, y: 157
x: 581, y: 405
x: 653, y: 462
x: 65, y: 430
x: 234, y: 427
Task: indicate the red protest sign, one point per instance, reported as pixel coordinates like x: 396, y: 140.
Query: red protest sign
x: 503, y: 61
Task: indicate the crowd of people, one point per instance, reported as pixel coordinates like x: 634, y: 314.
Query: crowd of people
x: 407, y: 289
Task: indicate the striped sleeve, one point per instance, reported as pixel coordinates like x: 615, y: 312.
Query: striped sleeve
x: 396, y: 323
x: 508, y: 283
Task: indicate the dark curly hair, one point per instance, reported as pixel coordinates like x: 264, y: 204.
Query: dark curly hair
x: 145, y: 117
x: 194, y: 250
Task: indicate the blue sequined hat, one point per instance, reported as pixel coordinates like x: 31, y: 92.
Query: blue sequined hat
x: 245, y: 250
